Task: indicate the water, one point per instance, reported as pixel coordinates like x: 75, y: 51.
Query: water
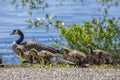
x: 11, y: 18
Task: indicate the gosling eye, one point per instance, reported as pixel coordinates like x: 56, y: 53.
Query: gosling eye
x: 44, y: 54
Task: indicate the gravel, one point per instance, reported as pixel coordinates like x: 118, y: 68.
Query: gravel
x: 59, y: 74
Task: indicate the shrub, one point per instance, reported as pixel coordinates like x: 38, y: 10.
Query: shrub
x: 102, y: 34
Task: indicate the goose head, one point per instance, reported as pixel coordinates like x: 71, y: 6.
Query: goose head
x: 14, y: 32
x: 20, y: 33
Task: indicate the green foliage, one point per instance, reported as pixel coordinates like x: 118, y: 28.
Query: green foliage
x: 31, y: 4
x: 29, y: 21
x: 114, y: 2
x: 101, y: 35
x: 59, y: 23
x: 46, y: 21
x: 36, y: 23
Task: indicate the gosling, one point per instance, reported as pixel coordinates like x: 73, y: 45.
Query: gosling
x: 78, y: 57
x: 43, y: 55
x: 100, y: 56
x: 24, y: 55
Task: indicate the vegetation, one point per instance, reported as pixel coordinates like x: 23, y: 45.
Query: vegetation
x: 55, y: 66
x: 92, y: 32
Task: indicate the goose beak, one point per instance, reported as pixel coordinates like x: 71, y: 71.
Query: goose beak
x: 11, y: 34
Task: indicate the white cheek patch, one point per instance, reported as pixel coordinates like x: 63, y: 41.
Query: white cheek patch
x: 13, y: 43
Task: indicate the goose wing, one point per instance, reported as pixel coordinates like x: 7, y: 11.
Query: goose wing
x: 38, y: 46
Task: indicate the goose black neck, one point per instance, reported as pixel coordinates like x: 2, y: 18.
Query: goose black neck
x: 21, y: 37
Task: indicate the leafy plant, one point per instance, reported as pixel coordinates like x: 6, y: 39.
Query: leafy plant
x: 102, y: 34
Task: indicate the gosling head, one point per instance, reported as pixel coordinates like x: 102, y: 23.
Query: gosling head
x: 65, y: 50
x: 18, y: 49
x: 33, y: 52
x: 89, y: 45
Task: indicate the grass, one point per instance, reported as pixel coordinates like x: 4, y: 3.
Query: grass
x: 57, y: 66
x: 35, y: 66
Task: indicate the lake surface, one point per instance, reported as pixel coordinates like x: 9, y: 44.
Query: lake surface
x: 71, y: 11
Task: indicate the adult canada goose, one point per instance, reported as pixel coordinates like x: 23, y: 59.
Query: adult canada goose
x: 99, y: 55
x: 27, y: 46
x: 76, y: 56
x: 46, y: 56
x: 24, y: 55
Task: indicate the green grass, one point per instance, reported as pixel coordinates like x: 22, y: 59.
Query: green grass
x: 57, y: 66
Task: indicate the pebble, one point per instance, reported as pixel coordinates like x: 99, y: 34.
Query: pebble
x: 59, y: 74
